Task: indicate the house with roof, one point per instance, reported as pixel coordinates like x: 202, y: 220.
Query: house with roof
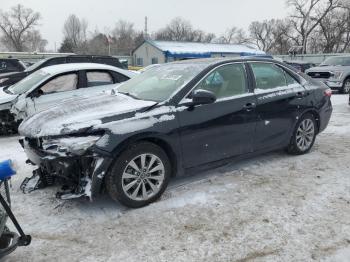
x: 158, y: 52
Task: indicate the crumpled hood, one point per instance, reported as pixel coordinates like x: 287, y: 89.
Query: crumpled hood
x: 6, y: 98
x: 81, y: 114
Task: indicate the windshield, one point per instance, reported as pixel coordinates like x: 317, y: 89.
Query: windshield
x: 334, y: 61
x: 36, y: 65
x: 160, y: 82
x: 28, y: 82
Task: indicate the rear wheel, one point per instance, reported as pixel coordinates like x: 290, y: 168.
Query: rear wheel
x: 304, y: 135
x: 346, y: 87
x: 139, y: 176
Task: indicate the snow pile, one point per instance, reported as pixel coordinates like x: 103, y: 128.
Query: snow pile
x: 273, y: 207
x: 203, y: 48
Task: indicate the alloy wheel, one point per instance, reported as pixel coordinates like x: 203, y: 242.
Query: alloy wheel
x: 347, y: 87
x: 305, y: 134
x: 143, y: 177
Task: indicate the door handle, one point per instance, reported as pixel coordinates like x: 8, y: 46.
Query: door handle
x: 301, y: 94
x: 249, y: 106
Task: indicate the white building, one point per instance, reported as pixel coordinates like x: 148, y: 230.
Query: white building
x: 158, y: 52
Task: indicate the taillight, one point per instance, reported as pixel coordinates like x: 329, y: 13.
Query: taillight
x: 328, y: 92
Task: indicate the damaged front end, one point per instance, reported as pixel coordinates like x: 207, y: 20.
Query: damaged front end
x: 8, y: 123
x: 71, y: 161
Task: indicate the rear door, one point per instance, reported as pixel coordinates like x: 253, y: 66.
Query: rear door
x: 279, y: 96
x: 96, y: 82
x: 225, y: 128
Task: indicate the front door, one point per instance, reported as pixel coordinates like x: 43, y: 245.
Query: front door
x: 225, y: 128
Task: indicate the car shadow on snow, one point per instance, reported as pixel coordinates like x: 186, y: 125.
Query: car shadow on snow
x: 105, y: 203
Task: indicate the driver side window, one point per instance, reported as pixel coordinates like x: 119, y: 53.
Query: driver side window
x: 226, y: 81
x: 61, y: 83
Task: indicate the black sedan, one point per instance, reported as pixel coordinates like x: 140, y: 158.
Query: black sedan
x: 171, y: 119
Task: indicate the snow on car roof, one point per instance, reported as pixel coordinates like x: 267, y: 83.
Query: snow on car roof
x: 203, y: 48
x: 63, y: 68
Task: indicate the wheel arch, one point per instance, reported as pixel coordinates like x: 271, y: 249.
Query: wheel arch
x: 308, y: 111
x: 316, y: 115
x: 154, y: 138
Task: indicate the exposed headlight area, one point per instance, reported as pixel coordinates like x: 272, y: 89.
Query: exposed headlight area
x: 66, y: 159
x: 337, y: 74
x: 74, y: 145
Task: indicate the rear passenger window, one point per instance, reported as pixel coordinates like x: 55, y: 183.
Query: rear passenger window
x: 268, y: 76
x: 290, y: 80
x: 98, y: 78
x: 120, y: 78
x: 226, y: 81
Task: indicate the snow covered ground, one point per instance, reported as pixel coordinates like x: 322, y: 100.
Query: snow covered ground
x: 271, y: 208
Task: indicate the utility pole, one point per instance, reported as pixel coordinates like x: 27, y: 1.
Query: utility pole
x: 146, y: 27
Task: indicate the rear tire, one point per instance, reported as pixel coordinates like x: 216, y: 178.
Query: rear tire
x: 139, y: 176
x: 304, y: 135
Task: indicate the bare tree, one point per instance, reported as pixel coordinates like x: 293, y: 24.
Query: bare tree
x: 262, y: 34
x: 35, y: 42
x: 180, y: 29
x: 123, y: 36
x: 308, y: 14
x: 75, y: 32
x: 18, y: 27
x: 234, y: 35
x: 334, y: 31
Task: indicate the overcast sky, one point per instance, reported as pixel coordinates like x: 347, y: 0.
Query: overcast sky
x: 209, y: 15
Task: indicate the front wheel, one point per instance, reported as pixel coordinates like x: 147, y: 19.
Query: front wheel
x: 139, y: 176
x: 304, y: 135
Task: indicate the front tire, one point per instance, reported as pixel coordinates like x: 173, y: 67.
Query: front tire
x: 139, y: 176
x: 304, y: 135
x: 346, y: 87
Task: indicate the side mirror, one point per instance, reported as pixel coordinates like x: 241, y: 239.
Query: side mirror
x: 202, y: 97
x: 36, y: 93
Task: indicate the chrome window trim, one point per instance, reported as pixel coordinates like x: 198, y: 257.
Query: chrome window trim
x: 185, y: 99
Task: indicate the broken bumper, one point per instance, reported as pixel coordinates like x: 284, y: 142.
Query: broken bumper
x: 82, y: 175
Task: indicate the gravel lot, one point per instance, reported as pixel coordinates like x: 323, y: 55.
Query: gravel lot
x: 271, y: 208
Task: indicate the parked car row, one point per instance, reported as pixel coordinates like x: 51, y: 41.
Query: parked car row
x: 48, y: 85
x: 301, y: 66
x: 164, y: 122
x: 334, y: 72
x: 8, y: 65
x: 13, y: 77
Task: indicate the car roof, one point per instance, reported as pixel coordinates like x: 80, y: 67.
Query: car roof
x: 297, y: 62
x: 64, y: 68
x: 220, y: 60
x: 9, y: 59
